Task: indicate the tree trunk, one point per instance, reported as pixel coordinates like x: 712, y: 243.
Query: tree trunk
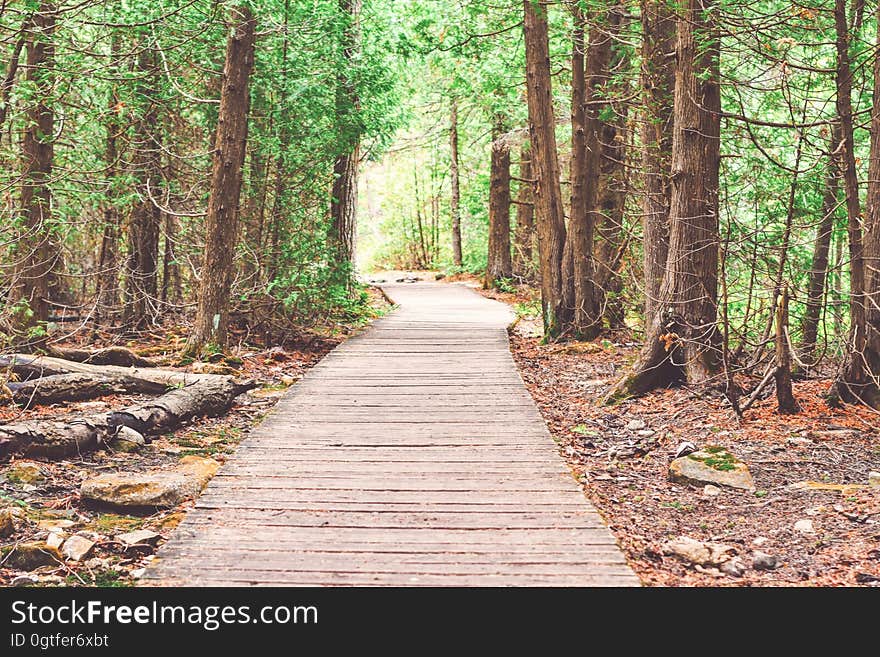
x: 141, y: 287
x: 821, y: 248
x: 212, y: 316
x: 524, y: 236
x: 863, y: 382
x: 585, y: 125
x: 36, y: 252
x: 499, y: 264
x: 455, y: 194
x: 786, y: 403
x: 853, y: 382
x: 545, y: 166
x: 658, y: 82
x: 343, y: 204
x: 613, y: 178
x: 14, y: 58
x: 682, y: 341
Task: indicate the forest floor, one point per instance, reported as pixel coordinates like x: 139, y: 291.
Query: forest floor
x: 783, y: 533
x: 44, y: 496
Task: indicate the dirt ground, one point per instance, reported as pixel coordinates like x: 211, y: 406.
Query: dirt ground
x: 621, y: 455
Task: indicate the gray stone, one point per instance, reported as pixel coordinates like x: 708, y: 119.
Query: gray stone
x: 55, y: 540
x: 734, y: 568
x: 645, y: 433
x: 713, y: 465
x: 711, y: 491
x: 162, y: 489
x: 139, y: 537
x: 804, y: 526
x: 127, y: 440
x: 874, y: 479
x: 698, y: 552
x: 635, y: 425
x: 23, y: 580
x: 764, y: 561
x: 77, y: 548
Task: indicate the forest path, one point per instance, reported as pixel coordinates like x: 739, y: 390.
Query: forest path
x: 411, y: 455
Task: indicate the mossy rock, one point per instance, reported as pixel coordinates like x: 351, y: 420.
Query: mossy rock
x: 712, y: 465
x: 30, y: 556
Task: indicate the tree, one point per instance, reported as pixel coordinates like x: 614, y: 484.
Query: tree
x: 343, y: 205
x: 212, y: 316
x: 499, y: 263
x: 455, y: 194
x: 550, y: 220
x: 37, y: 253
x: 682, y: 341
x: 524, y: 235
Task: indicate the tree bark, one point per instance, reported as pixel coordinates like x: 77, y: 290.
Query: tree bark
x: 550, y: 218
x: 786, y: 403
x: 853, y: 383
x: 455, y: 193
x: 12, y: 70
x: 212, y: 316
x: 658, y: 82
x: 60, y: 388
x: 141, y: 286
x: 821, y: 248
x: 682, y: 341
x: 36, y: 251
x: 343, y: 204
x: 499, y: 264
x: 524, y: 236
x: 586, y: 316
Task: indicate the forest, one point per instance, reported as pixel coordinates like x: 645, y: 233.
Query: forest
x: 677, y: 199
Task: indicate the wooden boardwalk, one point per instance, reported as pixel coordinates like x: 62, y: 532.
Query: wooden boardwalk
x: 411, y: 455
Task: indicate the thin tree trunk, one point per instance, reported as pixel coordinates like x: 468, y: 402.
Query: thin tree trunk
x: 545, y: 165
x: 821, y: 248
x: 343, y: 204
x: 212, y: 316
x: 455, y: 194
x: 524, y: 236
x: 36, y: 252
x: 682, y: 341
x: 853, y: 379
x: 658, y: 82
x: 141, y: 285
x: 499, y: 264
x: 9, y: 81
x: 786, y: 403
x: 585, y: 126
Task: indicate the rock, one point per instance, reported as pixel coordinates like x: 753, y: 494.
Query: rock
x: 55, y: 524
x: 845, y: 489
x: 22, y: 472
x: 759, y: 541
x: 635, y: 425
x: 835, y: 434
x: 874, y: 479
x: 127, y: 440
x: 798, y: 441
x: 685, y: 448
x: 645, y: 433
x: 7, y: 523
x: 764, y: 561
x: 698, y: 552
x: 77, y: 547
x: 139, y: 537
x: 23, y: 580
x: 55, y: 540
x: 734, y: 568
x: 804, y: 526
x: 711, y: 491
x: 162, y: 489
x: 137, y: 574
x: 712, y: 465
x: 29, y: 556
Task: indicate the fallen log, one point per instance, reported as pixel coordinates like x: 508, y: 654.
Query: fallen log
x: 40, y: 366
x: 58, y: 388
x: 209, y: 396
x: 120, y: 356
